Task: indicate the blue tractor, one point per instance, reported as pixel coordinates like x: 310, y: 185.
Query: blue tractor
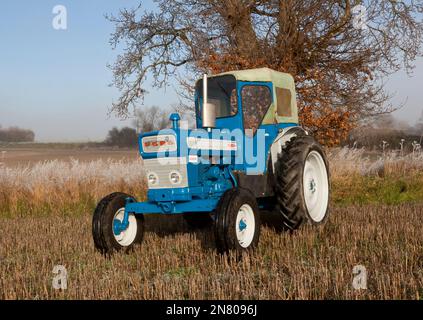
x: 247, y: 157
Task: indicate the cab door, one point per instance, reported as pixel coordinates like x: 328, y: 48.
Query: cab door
x: 255, y: 99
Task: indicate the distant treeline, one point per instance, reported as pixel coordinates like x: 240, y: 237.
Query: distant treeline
x: 15, y: 134
x: 146, y: 120
x: 386, y: 130
x: 375, y: 138
x: 123, y: 138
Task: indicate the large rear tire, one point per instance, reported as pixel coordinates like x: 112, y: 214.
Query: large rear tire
x: 302, y: 183
x: 237, y: 223
x: 110, y: 210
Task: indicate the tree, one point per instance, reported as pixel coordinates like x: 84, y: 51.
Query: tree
x: 125, y: 137
x: 15, y: 134
x: 339, y: 51
x: 151, y: 119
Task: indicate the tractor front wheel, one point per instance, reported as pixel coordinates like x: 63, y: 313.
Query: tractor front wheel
x: 107, y: 231
x: 237, y: 222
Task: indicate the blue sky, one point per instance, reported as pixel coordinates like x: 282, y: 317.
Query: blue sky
x: 57, y: 82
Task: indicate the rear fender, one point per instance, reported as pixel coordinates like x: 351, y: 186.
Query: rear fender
x: 283, y: 137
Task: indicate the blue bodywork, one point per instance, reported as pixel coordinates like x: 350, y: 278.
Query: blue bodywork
x: 207, y: 181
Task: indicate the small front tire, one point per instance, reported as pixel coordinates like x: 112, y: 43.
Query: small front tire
x: 237, y: 223
x: 110, y: 210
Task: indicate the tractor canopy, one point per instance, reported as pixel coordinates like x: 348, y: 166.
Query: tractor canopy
x: 283, y: 109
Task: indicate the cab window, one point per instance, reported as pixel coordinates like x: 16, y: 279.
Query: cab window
x: 222, y: 93
x: 256, y: 100
x: 284, y: 98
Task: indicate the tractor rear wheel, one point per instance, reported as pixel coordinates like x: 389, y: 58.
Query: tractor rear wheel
x: 302, y: 183
x: 110, y: 213
x: 237, y: 222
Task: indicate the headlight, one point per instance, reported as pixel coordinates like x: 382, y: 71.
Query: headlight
x: 175, y: 177
x: 153, y: 179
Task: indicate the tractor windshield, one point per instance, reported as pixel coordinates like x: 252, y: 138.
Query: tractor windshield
x: 222, y: 93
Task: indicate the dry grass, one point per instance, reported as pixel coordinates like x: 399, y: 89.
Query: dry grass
x: 174, y: 264
x: 66, y: 187
x: 45, y: 218
x: 75, y: 187
x: 346, y: 161
x: 358, y: 178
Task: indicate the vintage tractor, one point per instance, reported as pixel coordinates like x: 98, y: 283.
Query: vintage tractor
x: 247, y: 157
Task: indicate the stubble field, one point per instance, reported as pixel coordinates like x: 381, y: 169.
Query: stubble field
x: 376, y: 222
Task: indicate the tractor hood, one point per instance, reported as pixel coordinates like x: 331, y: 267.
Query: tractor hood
x: 177, y: 158
x: 187, y: 143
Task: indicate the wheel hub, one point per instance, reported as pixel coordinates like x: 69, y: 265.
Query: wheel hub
x: 312, y: 186
x: 242, y: 225
x: 316, y: 186
x: 118, y: 227
x: 245, y: 225
x: 124, y: 232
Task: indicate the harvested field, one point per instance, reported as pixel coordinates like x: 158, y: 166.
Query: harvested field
x: 175, y: 264
x: 13, y: 157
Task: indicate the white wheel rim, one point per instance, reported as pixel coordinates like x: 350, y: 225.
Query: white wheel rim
x: 126, y: 237
x: 245, y: 225
x: 316, y: 186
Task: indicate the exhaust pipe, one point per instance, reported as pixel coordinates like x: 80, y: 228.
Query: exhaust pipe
x: 209, y: 110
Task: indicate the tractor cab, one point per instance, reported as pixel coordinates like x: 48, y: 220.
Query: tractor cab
x: 248, y: 100
x: 260, y: 103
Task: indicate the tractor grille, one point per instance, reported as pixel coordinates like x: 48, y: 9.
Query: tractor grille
x: 163, y: 168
